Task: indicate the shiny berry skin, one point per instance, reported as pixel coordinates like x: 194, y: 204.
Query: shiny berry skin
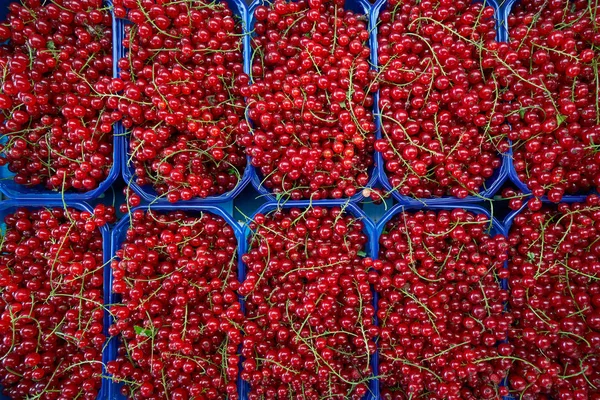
x: 442, y: 127
x: 553, y: 96
x: 554, y: 264
x: 181, y: 99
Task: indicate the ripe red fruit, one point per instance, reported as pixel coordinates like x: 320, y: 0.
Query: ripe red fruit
x: 55, y: 88
x: 441, y: 307
x: 309, y: 326
x: 52, y: 306
x: 553, y: 89
x: 179, y: 317
x: 311, y: 100
x: 181, y: 97
x: 555, y: 300
x: 442, y: 126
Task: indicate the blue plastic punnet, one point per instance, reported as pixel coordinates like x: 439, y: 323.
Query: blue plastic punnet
x: 13, y: 190
x: 495, y: 227
x: 357, y: 6
x: 508, y: 221
x: 147, y: 192
x: 505, y: 11
x: 493, y: 183
x: 370, y: 250
x: 118, y: 236
x: 10, y: 206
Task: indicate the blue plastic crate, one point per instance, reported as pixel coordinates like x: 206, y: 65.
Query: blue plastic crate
x: 492, y: 184
x: 13, y: 190
x: 117, y: 238
x: 371, y: 251
x: 10, y: 206
x: 495, y: 227
x: 357, y: 6
x: 147, y: 192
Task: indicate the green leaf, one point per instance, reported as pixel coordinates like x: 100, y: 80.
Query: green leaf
x: 142, y: 331
x: 51, y: 45
x: 560, y: 119
x: 522, y: 112
x: 531, y: 256
x: 362, y: 253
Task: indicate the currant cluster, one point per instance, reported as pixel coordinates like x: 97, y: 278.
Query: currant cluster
x: 179, y: 318
x: 442, y: 122
x: 515, y: 197
x: 441, y: 307
x: 55, y: 86
x: 554, y: 95
x: 309, y: 331
x: 555, y: 299
x: 311, y: 99
x: 180, y: 85
x: 52, y: 304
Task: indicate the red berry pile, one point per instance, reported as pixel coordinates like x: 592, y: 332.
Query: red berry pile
x: 180, y: 85
x: 179, y: 321
x: 553, y: 54
x: 54, y: 93
x: 441, y: 308
x: 555, y: 300
x: 52, y: 304
x: 309, y: 332
x: 311, y: 99
x: 442, y: 124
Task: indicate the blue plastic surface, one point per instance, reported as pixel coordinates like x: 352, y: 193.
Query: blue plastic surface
x: 147, y: 192
x: 117, y: 238
x: 10, y: 206
x: 492, y: 184
x: 495, y: 228
x: 13, y: 190
x: 371, y: 251
x: 357, y: 6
